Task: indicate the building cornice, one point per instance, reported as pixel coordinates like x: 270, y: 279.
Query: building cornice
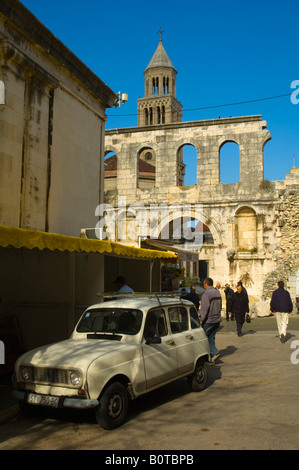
x: 186, y: 124
x: 24, y: 20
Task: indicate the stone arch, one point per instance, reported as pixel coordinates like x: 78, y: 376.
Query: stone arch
x: 160, y: 226
x: 188, y: 164
x: 229, y: 173
x: 227, y: 139
x: 264, y: 141
x: 146, y: 167
x: 266, y: 138
x: 246, y: 229
x: 111, y: 148
x: 110, y: 170
x: 214, y: 229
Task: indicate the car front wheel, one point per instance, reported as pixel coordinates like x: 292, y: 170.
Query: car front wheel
x: 198, y: 380
x: 113, y: 406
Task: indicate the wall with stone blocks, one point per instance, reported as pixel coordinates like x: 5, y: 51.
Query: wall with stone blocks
x: 52, y: 124
x: 244, y: 217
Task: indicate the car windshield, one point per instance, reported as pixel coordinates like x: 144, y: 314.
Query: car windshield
x: 111, y: 320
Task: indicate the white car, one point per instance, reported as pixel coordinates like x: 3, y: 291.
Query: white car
x: 119, y: 350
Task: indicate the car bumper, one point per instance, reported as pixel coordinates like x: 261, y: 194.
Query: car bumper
x: 64, y: 402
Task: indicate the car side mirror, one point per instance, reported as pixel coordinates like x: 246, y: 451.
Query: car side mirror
x: 153, y: 340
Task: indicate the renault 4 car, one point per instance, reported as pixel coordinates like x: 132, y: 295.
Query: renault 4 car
x: 119, y: 350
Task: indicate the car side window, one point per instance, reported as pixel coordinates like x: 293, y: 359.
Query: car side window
x: 178, y: 318
x: 194, y: 318
x: 155, y: 324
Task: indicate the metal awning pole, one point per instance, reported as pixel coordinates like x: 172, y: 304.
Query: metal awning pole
x: 151, y: 275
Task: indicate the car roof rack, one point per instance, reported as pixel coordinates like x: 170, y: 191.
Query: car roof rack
x: 129, y: 295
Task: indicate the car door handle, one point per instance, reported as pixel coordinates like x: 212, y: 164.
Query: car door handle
x: 189, y: 337
x: 170, y: 342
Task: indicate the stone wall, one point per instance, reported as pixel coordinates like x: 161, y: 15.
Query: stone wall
x: 254, y: 223
x: 52, y: 124
x: 244, y: 218
x: 249, y: 132
x: 287, y: 256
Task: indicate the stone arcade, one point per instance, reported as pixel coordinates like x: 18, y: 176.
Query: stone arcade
x: 251, y: 226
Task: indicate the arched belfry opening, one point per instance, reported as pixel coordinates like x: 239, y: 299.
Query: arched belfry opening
x: 159, y: 105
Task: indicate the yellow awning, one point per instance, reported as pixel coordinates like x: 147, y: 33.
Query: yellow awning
x: 23, y: 238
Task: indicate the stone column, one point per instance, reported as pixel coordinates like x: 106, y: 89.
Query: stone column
x: 208, y: 162
x: 127, y: 171
x: 251, y: 156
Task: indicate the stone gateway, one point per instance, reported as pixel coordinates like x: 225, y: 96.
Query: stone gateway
x: 250, y: 227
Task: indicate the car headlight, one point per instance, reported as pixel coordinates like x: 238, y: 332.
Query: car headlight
x: 25, y: 373
x: 75, y: 377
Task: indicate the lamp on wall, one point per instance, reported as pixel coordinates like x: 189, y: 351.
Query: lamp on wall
x: 121, y: 98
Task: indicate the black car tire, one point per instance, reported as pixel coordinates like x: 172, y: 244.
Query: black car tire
x: 113, y: 407
x: 198, y: 380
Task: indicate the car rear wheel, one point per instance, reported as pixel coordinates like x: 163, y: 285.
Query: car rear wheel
x: 113, y: 407
x: 198, y: 380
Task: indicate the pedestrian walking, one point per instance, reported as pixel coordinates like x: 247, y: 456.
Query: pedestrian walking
x: 229, y: 293
x: 193, y: 297
x: 240, y: 307
x: 281, y: 305
x: 210, y: 315
x: 183, y: 293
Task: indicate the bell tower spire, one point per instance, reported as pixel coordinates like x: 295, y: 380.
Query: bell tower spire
x: 159, y: 105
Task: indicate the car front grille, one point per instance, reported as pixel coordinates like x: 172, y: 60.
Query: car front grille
x: 45, y: 375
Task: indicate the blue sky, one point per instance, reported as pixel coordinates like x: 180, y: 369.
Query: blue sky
x: 224, y: 52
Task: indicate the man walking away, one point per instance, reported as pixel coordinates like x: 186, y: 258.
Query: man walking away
x: 281, y: 304
x: 210, y: 315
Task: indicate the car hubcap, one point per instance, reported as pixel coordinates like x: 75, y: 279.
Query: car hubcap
x: 200, y: 374
x: 115, y: 406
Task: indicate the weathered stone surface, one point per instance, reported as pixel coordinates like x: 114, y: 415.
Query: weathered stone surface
x: 260, y: 309
x: 253, y: 224
x: 52, y: 124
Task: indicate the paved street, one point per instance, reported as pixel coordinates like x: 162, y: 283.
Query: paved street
x: 251, y: 402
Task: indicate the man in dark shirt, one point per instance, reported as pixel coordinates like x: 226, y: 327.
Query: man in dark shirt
x: 281, y: 304
x: 210, y: 315
x: 239, y: 307
x: 229, y: 293
x: 193, y: 297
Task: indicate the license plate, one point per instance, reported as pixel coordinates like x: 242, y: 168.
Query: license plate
x: 43, y: 400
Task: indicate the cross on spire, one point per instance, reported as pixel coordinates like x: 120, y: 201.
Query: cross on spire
x: 160, y: 32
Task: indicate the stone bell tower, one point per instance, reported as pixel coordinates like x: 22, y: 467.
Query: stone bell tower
x: 159, y: 105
